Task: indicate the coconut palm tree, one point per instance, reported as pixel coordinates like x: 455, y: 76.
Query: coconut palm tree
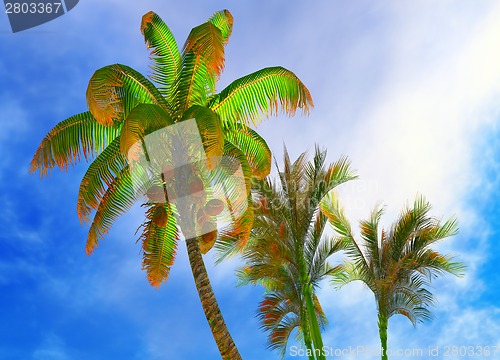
x: 124, y: 107
x: 288, y: 250
x: 396, y: 265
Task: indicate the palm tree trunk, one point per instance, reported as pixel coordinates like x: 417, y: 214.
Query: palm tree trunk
x: 224, y: 341
x: 314, y: 325
x: 306, y: 333
x: 382, y: 329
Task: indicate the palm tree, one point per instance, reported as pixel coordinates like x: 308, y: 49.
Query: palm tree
x: 398, y: 265
x: 287, y: 252
x: 125, y: 107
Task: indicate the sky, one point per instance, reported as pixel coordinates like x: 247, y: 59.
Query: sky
x: 409, y: 91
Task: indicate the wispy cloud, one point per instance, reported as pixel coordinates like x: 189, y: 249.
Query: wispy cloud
x: 408, y: 91
x: 52, y: 348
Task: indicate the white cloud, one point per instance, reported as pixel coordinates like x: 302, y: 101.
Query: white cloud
x: 407, y: 98
x: 421, y: 134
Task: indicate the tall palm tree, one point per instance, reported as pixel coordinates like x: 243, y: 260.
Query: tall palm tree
x: 398, y: 265
x: 125, y: 107
x: 288, y: 250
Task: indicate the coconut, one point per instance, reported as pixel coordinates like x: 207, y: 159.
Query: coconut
x: 201, y: 217
x: 208, y: 237
x: 167, y: 171
x: 214, y: 207
x: 196, y: 187
x: 160, y: 216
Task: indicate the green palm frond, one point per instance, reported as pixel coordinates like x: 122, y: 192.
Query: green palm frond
x: 259, y: 94
x: 159, y: 246
x: 192, y: 84
x: 410, y: 222
x: 142, y: 120
x: 435, y: 264
x: 337, y: 173
x: 233, y: 238
x: 114, y: 90
x: 70, y: 139
x: 348, y: 273
x: 223, y: 20
x: 430, y: 235
x: 164, y: 51
x: 370, y: 236
x: 254, y: 147
x: 331, y: 207
x: 100, y: 174
x: 279, y: 318
x: 319, y: 266
x: 118, y: 199
x: 202, y: 63
x: 207, y: 42
x: 210, y: 131
x: 321, y: 181
x: 411, y: 303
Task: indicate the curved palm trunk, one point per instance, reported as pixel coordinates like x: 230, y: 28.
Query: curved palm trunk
x: 382, y: 329
x: 224, y: 341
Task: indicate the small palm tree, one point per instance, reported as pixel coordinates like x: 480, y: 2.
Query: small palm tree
x: 287, y: 252
x: 397, y: 266
x: 125, y: 107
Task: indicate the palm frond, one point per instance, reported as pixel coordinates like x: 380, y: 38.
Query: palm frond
x: 278, y: 317
x: 210, y: 130
x: 261, y: 94
x: 348, y: 273
x: 164, y: 51
x: 206, y: 41
x: 410, y: 221
x: 141, y: 121
x: 370, y: 236
x: 223, y: 20
x: 330, y: 206
x: 193, y: 84
x: 118, y: 199
x: 320, y: 314
x: 202, y: 63
x: 255, y: 149
x: 339, y: 173
x: 430, y: 235
x: 114, y: 90
x: 411, y: 303
x: 80, y: 135
x: 100, y: 174
x: 234, y: 237
x: 159, y: 246
x: 319, y: 266
x: 436, y: 264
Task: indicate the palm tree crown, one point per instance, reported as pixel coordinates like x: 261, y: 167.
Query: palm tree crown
x: 288, y: 250
x: 124, y: 107
x: 396, y: 265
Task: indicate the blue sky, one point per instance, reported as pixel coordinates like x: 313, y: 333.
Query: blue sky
x: 410, y: 91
